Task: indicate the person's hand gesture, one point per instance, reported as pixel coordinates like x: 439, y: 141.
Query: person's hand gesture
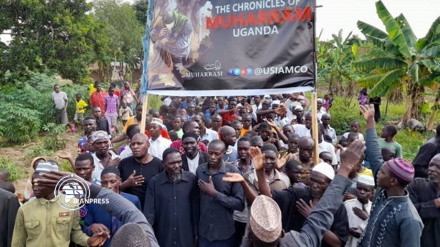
x: 233, y: 177
x: 367, y: 111
x: 98, y: 239
x: 271, y: 123
x: 51, y: 178
x: 257, y: 158
x: 361, y: 213
x: 248, y: 107
x: 305, y: 209
x: 64, y: 155
x: 282, y: 160
x: 281, y: 110
x: 134, y: 181
x: 208, y: 188
x: 351, y: 156
x: 114, y: 162
x: 97, y: 228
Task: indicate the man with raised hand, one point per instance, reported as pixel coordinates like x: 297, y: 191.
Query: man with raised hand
x: 394, y: 220
x: 319, y: 220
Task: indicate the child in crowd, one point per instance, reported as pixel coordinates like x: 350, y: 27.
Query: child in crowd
x: 358, y: 209
x: 81, y: 107
x: 387, y: 140
x: 125, y: 112
x: 388, y: 154
x: 355, y: 126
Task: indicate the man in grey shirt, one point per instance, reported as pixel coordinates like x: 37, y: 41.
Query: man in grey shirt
x: 60, y: 100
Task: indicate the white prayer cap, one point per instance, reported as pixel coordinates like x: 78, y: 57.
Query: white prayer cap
x: 325, y: 169
x: 157, y: 121
x: 267, y: 96
x: 367, y: 180
x: 299, y: 107
x: 276, y: 102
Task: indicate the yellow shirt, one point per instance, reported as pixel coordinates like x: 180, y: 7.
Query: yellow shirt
x: 243, y: 131
x: 91, y: 89
x: 130, y: 121
x: 81, y: 107
x: 45, y: 223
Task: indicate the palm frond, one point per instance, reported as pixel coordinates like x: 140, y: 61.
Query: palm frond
x: 383, y: 63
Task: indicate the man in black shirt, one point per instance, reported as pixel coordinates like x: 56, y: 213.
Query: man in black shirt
x: 218, y: 199
x: 425, y: 154
x: 171, y: 204
x: 136, y: 171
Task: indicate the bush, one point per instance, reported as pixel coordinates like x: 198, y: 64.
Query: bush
x: 28, y: 106
x: 52, y: 140
x: 15, y: 171
x: 342, y: 116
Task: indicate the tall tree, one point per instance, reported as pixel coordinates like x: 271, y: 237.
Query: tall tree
x: 141, y: 7
x: 55, y: 35
x: 123, y: 29
x: 400, y: 60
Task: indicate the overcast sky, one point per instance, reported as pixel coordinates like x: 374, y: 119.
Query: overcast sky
x: 343, y: 14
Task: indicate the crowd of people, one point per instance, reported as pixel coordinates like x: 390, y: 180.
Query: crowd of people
x: 228, y: 171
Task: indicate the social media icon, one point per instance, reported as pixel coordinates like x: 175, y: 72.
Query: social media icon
x: 243, y: 72
x: 231, y: 72
x: 250, y: 71
x: 237, y: 72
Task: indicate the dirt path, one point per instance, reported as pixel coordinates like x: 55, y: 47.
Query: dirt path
x: 21, y: 155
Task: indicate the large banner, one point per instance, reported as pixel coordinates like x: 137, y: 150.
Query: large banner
x: 229, y: 47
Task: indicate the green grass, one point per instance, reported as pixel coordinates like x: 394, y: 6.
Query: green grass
x: 15, y: 171
x: 410, y: 140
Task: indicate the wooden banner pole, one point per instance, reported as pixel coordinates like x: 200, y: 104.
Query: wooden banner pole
x: 144, y: 112
x: 315, y: 127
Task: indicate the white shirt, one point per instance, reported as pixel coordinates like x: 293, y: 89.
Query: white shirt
x: 99, y: 166
x: 301, y: 130
x: 354, y: 220
x: 345, y: 135
x: 325, y: 146
x: 158, y: 146
x: 210, y: 135
x: 127, y: 152
x: 193, y: 163
x: 59, y: 99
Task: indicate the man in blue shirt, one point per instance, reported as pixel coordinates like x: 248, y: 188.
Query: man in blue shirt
x: 97, y: 218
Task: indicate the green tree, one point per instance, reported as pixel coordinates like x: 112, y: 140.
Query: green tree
x: 124, y: 32
x: 50, y: 35
x: 334, y: 63
x: 400, y: 60
x: 141, y: 7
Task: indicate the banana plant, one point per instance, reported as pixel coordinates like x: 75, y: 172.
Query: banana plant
x: 400, y: 60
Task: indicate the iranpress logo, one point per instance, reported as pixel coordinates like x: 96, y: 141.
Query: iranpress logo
x: 73, y: 193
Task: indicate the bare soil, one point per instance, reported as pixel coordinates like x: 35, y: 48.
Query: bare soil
x: 17, y: 153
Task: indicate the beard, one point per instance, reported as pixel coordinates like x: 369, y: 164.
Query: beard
x: 175, y: 177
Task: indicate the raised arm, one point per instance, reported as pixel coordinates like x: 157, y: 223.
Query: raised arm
x: 373, y: 153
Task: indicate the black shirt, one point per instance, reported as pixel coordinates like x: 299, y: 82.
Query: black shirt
x: 148, y: 170
x: 422, y: 193
x: 216, y: 222
x: 293, y: 220
x: 172, y: 209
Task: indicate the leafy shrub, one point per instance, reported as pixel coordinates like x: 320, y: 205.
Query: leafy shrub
x: 15, y: 171
x: 28, y: 106
x: 342, y: 115
x: 53, y: 141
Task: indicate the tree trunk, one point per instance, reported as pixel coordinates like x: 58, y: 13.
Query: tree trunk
x: 414, y: 99
x: 430, y: 123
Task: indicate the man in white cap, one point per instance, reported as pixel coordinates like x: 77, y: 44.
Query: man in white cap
x: 265, y: 217
x: 296, y: 203
x: 358, y: 209
x: 158, y: 144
